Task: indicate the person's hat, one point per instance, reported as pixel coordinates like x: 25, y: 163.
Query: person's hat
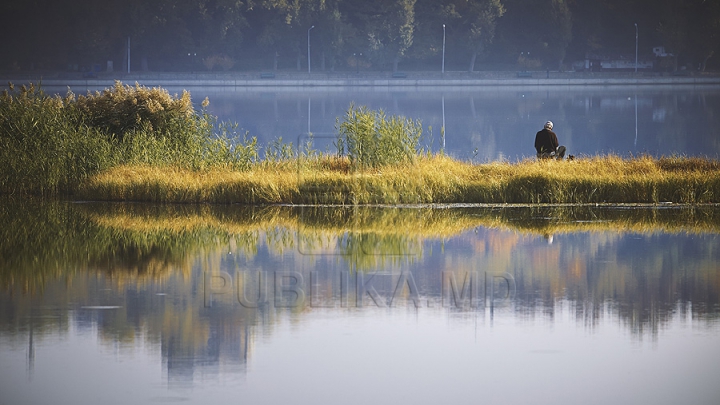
x: 549, y: 125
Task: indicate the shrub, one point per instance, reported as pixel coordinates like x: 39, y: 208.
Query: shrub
x: 123, y: 108
x: 50, y: 144
x: 370, y: 139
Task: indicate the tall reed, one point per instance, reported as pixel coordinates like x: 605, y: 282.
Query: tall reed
x: 371, y: 139
x: 43, y: 146
x: 51, y: 144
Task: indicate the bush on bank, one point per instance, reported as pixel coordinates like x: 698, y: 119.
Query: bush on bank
x: 50, y: 144
x: 371, y: 139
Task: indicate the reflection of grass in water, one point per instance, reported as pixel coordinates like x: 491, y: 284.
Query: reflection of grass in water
x: 48, y: 239
x: 371, y: 237
x: 545, y: 220
x: 367, y: 236
x: 136, y: 241
x: 327, y: 221
x: 420, y: 222
x: 141, y: 243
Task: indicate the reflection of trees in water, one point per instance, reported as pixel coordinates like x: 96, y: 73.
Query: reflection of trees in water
x: 169, y: 316
x: 54, y: 254
x: 642, y: 281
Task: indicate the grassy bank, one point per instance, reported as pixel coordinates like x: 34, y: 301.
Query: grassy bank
x: 429, y: 179
x: 139, y: 144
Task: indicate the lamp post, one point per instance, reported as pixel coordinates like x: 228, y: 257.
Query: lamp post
x: 636, y: 47
x: 443, y: 56
x: 309, y: 47
x: 128, y: 55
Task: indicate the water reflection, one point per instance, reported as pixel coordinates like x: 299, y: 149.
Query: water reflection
x: 167, y: 284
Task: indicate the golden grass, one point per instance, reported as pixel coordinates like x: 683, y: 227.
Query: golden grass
x: 434, y: 179
x: 321, y: 221
x: 421, y: 222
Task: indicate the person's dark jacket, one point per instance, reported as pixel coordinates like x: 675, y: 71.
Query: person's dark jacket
x: 546, y: 141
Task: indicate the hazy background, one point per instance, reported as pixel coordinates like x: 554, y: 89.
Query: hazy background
x: 367, y: 35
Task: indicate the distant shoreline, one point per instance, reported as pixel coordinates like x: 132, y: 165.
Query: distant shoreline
x: 366, y: 79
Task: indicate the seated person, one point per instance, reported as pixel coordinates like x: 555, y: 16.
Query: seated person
x: 546, y: 143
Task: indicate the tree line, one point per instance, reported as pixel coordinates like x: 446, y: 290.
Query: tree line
x: 195, y: 35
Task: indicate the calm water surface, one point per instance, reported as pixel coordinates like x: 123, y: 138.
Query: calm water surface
x: 135, y: 303
x: 488, y: 123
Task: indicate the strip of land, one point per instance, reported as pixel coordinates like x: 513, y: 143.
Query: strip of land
x: 140, y: 144
x: 429, y: 179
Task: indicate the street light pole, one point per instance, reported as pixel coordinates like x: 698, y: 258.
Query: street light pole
x: 309, y: 47
x: 128, y: 55
x: 636, y: 47
x: 443, y: 56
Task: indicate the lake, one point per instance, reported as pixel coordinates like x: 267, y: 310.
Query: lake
x: 488, y: 123
x: 140, y: 303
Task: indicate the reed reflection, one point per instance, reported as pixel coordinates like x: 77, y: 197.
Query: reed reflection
x: 136, y: 272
